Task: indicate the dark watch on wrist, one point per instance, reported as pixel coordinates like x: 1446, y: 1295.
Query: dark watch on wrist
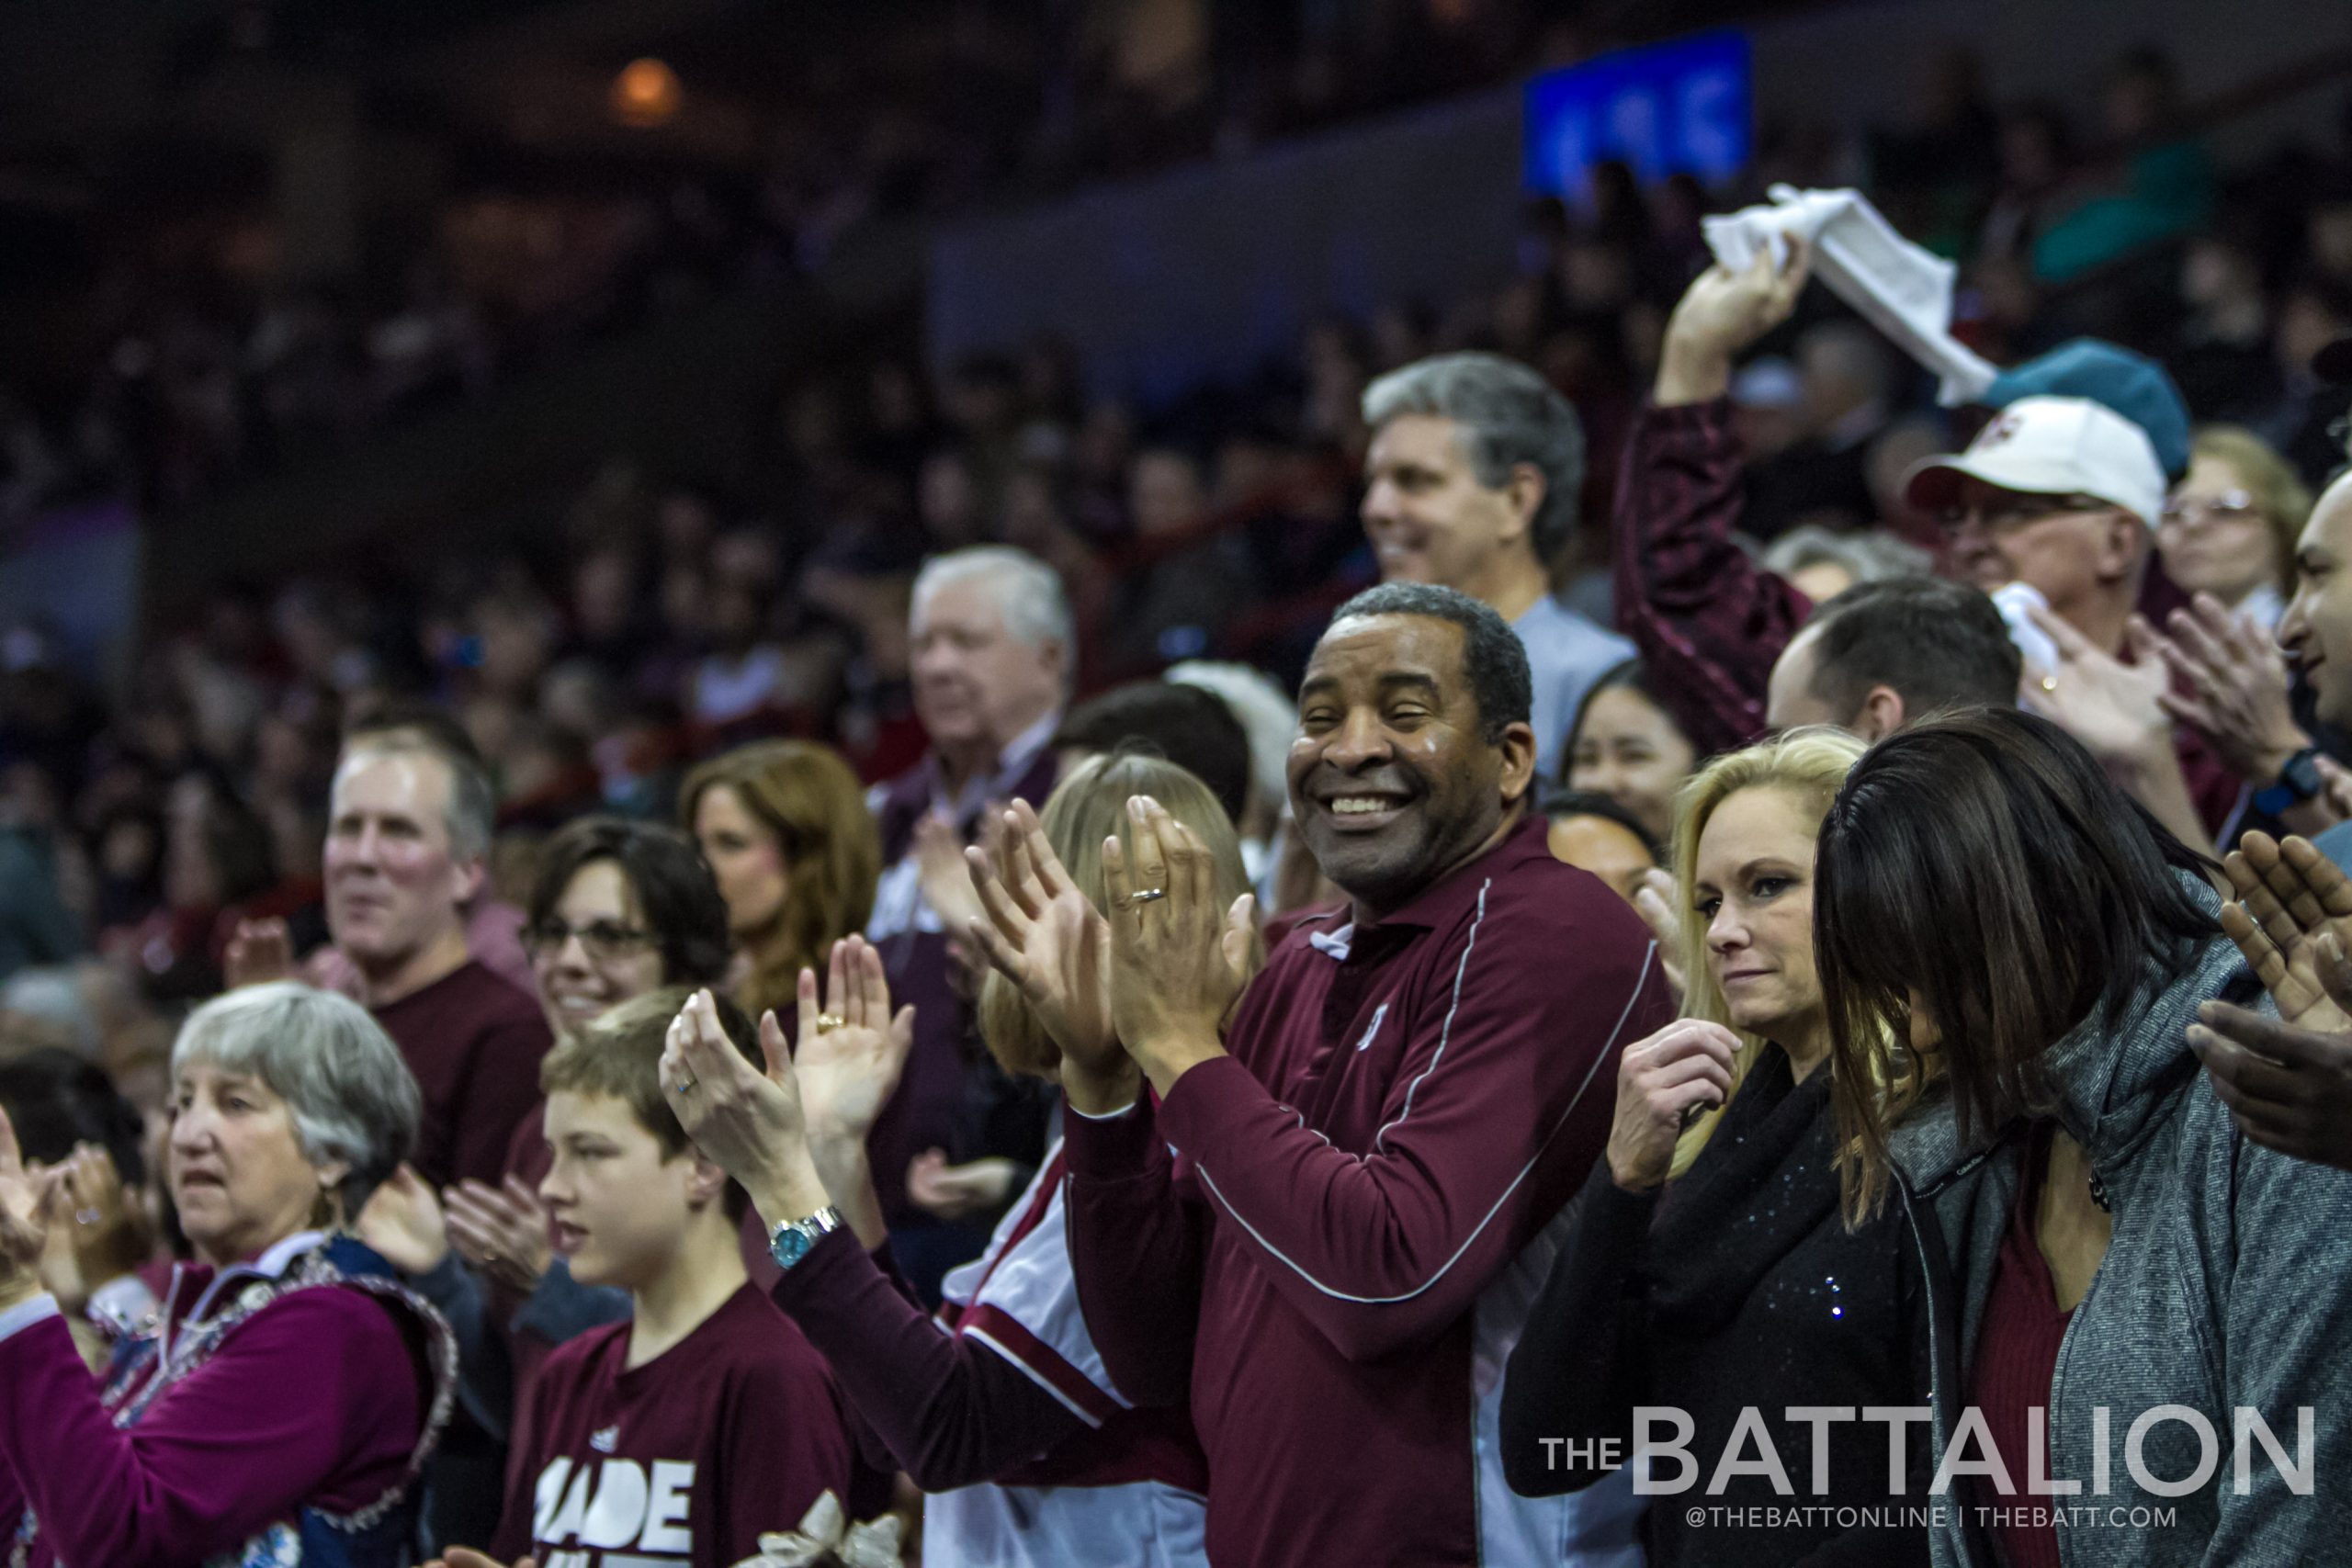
x: 790, y: 1242
x: 2297, y: 781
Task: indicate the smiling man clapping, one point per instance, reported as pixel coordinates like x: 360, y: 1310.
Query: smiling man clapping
x: 1379, y: 1129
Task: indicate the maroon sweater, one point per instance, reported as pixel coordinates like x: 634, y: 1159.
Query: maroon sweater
x: 2016, y: 1361
x: 310, y: 1402
x: 474, y: 1042
x: 732, y: 1431
x: 1380, y: 1165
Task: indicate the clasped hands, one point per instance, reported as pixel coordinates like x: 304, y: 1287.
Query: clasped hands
x: 1139, y: 988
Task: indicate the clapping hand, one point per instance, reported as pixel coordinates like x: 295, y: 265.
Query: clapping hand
x: 258, y: 952
x: 958, y: 1192
x: 23, y: 1230
x: 502, y: 1230
x: 2287, y: 1080
x: 851, y: 1049
x: 2115, y: 709
x: 745, y: 1120
x: 1048, y: 938
x: 110, y: 1234
x: 1178, y: 962
x: 939, y: 865
x: 2238, y: 688
x: 2292, y: 908
x: 1656, y: 901
x: 403, y: 1222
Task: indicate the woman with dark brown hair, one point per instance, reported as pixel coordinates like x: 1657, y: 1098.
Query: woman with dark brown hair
x: 2099, y: 1241
x: 785, y: 829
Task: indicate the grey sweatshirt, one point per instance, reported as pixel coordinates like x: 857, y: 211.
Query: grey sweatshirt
x: 2228, y: 1284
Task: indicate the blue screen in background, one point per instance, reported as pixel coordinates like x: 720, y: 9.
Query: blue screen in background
x: 1679, y: 108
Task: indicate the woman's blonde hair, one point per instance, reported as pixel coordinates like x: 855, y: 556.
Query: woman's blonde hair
x: 806, y: 796
x: 1810, y: 764
x: 1085, y: 808
x: 2269, y: 479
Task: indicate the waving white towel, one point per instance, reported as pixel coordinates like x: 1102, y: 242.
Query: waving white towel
x: 1901, y: 289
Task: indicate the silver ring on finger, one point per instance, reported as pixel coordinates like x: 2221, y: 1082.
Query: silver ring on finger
x: 86, y: 1216
x: 1145, y: 895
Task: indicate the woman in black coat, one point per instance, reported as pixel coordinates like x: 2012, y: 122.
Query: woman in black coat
x: 1708, y: 1268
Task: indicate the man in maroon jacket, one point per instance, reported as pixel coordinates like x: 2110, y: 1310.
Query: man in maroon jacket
x: 1369, y: 1165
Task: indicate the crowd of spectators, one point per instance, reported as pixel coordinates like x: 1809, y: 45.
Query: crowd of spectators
x: 664, y: 620
x: 378, y: 783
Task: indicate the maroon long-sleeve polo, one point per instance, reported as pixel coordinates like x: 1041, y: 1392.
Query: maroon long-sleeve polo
x: 1372, y: 1186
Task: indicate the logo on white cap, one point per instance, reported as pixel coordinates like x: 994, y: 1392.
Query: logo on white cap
x: 2052, y: 446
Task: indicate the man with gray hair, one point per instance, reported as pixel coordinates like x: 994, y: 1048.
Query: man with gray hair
x: 409, y: 825
x: 994, y: 652
x: 1472, y: 481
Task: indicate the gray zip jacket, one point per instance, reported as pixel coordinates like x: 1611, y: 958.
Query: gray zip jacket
x: 2228, y: 1284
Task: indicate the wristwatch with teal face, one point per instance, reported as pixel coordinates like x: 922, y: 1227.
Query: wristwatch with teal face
x: 791, y: 1241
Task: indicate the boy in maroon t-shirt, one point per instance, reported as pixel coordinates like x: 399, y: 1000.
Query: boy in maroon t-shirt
x: 680, y: 1435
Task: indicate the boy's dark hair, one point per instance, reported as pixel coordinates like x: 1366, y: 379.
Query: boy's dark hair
x: 620, y: 1054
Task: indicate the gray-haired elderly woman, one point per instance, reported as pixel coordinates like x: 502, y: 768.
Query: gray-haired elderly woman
x: 277, y: 1407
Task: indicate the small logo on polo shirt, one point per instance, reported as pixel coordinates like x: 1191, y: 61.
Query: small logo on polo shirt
x: 606, y: 1441
x: 1373, y: 1027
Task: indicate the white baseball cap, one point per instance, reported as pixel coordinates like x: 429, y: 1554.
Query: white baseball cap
x: 2052, y: 447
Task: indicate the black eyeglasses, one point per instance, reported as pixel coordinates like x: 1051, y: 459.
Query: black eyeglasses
x: 2013, y: 512
x: 605, y: 941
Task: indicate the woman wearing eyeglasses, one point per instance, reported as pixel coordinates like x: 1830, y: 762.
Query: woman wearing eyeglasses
x: 2228, y: 536
x: 2230, y: 528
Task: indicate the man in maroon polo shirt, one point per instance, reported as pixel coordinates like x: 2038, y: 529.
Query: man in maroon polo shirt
x: 1369, y: 1168
x: 409, y: 822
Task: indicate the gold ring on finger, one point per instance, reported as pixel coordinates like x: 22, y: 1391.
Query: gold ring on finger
x: 829, y: 1021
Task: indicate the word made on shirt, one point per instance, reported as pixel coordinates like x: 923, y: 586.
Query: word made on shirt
x: 612, y: 1513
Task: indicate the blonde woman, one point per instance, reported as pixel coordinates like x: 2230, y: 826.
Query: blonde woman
x: 2232, y: 524
x: 1708, y: 1268
x: 998, y: 1406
